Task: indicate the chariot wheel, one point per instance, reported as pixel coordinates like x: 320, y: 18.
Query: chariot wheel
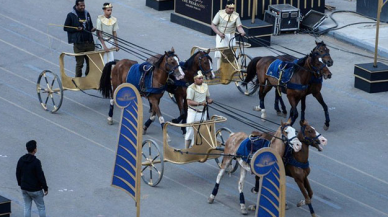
x: 50, y: 91
x: 172, y: 97
x: 152, y: 163
x: 222, y: 135
x: 251, y: 87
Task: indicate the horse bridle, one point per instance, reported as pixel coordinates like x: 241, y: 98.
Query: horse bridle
x: 308, y: 139
x: 285, y: 139
x: 172, y: 68
x: 200, y: 65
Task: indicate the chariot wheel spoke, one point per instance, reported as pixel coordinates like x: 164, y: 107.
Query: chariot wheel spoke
x: 47, y: 80
x: 153, y: 161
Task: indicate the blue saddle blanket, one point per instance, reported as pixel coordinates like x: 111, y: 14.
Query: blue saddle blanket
x: 135, y: 74
x: 274, y: 71
x: 251, y: 144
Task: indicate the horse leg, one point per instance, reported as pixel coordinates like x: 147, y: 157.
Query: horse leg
x: 110, y: 114
x: 255, y: 189
x: 240, y: 189
x: 149, y: 122
x: 262, y: 93
x: 294, y: 110
x: 307, y: 199
x: 319, y: 97
x: 284, y: 109
x: 276, y: 106
x: 303, y: 108
x: 225, y: 162
x: 310, y: 193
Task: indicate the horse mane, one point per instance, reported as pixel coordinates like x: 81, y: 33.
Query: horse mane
x: 189, y: 63
x: 160, y: 60
x: 321, y: 43
x: 302, y: 61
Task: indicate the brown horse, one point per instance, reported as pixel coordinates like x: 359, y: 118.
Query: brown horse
x: 284, y: 136
x: 167, y: 64
x: 315, y: 86
x: 297, y: 164
x: 199, y: 61
x: 298, y: 83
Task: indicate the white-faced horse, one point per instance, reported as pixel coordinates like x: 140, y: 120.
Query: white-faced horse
x: 284, y: 136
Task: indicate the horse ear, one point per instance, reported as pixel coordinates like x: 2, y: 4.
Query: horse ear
x: 304, y: 123
x: 208, y: 51
x: 289, y: 121
x: 172, y: 49
x: 165, y: 53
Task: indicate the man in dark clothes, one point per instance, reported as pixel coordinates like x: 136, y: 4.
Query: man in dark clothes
x: 79, y: 28
x: 31, y: 180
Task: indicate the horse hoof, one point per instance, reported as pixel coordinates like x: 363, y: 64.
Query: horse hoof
x: 256, y: 108
x: 244, y: 211
x: 253, y: 190
x: 284, y: 114
x: 252, y: 207
x: 110, y: 121
x: 144, y: 130
x: 279, y: 113
x: 301, y: 203
x: 210, y: 200
x: 325, y: 127
x: 313, y: 215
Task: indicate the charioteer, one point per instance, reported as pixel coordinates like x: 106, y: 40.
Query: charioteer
x: 224, y: 24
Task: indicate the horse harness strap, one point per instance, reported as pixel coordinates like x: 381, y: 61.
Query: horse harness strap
x: 144, y: 90
x: 293, y: 162
x: 203, y: 118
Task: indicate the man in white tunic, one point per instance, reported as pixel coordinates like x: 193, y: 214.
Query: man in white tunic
x: 224, y: 24
x: 107, y: 36
x: 197, y: 98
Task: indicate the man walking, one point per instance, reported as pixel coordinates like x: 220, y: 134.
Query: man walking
x: 31, y: 180
x: 106, y: 30
x: 79, y: 28
x: 224, y: 24
x: 197, y: 98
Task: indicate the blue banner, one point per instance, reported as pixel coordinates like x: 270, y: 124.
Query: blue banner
x: 271, y: 200
x: 127, y: 167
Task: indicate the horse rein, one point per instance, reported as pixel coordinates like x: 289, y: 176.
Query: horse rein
x: 285, y: 139
x: 200, y: 65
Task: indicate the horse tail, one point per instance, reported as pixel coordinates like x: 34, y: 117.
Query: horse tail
x: 105, y: 84
x: 251, y: 70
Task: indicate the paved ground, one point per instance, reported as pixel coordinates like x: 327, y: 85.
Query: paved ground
x: 77, y: 147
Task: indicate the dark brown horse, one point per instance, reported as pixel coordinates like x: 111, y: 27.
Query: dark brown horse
x: 297, y: 85
x: 297, y: 163
x: 167, y: 64
x: 315, y: 86
x: 199, y: 61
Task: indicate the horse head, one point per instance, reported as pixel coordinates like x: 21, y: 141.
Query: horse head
x: 323, y: 53
x: 290, y: 137
x: 205, y: 63
x: 172, y: 64
x: 312, y: 137
x: 326, y: 73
